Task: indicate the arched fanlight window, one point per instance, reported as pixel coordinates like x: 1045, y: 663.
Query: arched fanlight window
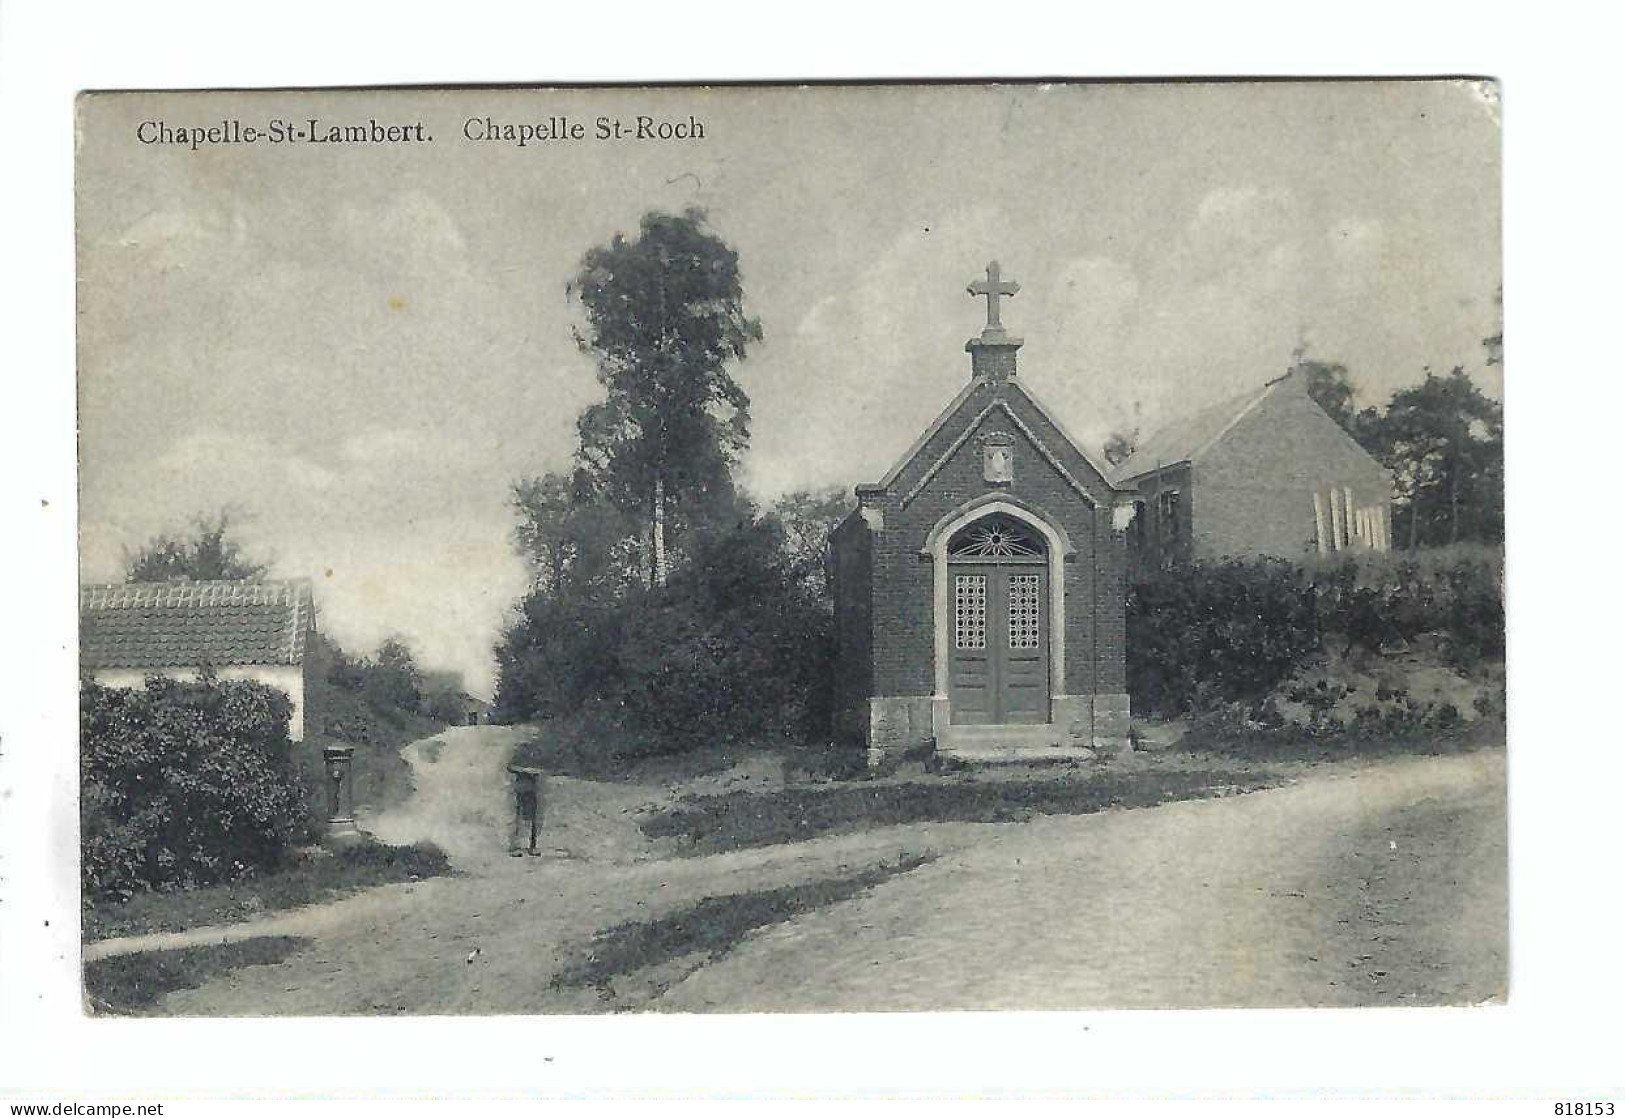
x: 995, y: 537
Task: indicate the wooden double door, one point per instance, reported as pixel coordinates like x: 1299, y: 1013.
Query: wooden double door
x: 998, y: 643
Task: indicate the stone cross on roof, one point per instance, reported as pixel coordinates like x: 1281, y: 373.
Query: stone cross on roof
x: 992, y: 288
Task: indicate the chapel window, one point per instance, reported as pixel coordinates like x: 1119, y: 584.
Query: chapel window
x: 995, y: 537
x: 1168, y: 515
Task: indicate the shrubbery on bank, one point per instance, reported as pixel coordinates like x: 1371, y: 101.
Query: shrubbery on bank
x: 1210, y: 634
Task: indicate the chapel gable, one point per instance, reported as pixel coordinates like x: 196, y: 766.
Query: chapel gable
x: 979, y: 586
x: 993, y: 426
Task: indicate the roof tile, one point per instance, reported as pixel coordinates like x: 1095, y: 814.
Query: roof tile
x: 189, y: 624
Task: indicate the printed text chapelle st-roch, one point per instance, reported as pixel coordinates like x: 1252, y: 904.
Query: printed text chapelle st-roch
x: 476, y: 129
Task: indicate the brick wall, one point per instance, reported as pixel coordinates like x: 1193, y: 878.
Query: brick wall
x: 1153, y: 542
x: 1253, y: 490
x: 851, y: 568
x: 902, y: 622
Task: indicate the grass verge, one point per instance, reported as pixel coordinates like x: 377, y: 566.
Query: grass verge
x: 314, y: 879
x: 1265, y: 746
x: 572, y: 747
x: 737, y: 820
x: 133, y: 984
x: 704, y: 931
x: 377, y: 732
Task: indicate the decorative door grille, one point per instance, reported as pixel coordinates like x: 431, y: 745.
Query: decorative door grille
x: 970, y: 611
x: 1024, y: 607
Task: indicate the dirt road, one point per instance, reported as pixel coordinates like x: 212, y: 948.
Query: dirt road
x: 1285, y: 897
x: 459, y: 794
x: 1386, y: 887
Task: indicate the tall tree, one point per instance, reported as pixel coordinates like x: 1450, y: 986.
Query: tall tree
x: 575, y: 541
x: 665, y: 318
x: 806, y: 518
x: 1443, y: 439
x: 208, y: 552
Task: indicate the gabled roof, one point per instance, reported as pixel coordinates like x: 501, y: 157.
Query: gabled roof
x: 190, y: 624
x: 956, y: 404
x: 1187, y: 439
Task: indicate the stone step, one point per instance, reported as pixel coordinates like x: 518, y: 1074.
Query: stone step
x: 1009, y: 743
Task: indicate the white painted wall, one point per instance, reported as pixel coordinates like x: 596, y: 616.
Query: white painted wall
x: 288, y: 678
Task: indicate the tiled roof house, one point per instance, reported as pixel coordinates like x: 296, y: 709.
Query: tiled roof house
x: 243, y: 630
x: 1267, y: 472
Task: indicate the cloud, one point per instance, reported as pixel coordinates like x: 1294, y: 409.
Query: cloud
x: 379, y: 446
x: 387, y: 535
x: 815, y: 321
x: 1231, y: 204
x: 1093, y: 293
x: 445, y: 583
x: 241, y: 461
x: 1232, y: 225
x: 406, y: 237
x: 169, y: 240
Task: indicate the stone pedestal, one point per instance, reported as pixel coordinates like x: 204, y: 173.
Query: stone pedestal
x: 900, y: 726
x: 339, y: 767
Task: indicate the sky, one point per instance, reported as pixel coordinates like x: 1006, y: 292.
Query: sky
x: 359, y: 348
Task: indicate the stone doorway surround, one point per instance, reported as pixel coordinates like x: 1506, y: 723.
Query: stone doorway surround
x: 1051, y: 735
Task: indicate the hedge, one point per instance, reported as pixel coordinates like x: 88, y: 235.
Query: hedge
x: 1231, y: 631
x: 183, y: 784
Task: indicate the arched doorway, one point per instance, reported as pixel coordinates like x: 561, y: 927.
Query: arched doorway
x: 999, y: 622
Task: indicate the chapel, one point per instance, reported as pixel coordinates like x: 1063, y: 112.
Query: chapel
x: 980, y: 585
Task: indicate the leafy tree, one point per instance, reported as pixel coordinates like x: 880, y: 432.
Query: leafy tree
x: 392, y: 677
x: 805, y: 519
x: 731, y: 649
x: 1120, y: 446
x: 207, y: 553
x: 445, y: 706
x: 335, y: 666
x: 1329, y: 386
x: 575, y: 541
x: 1443, y: 439
x: 665, y: 318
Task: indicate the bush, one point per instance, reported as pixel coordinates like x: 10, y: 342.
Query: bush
x: 1209, y: 634
x: 183, y: 784
x: 417, y: 859
x: 445, y: 706
x: 733, y: 648
x: 1376, y: 601
x: 1216, y: 632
